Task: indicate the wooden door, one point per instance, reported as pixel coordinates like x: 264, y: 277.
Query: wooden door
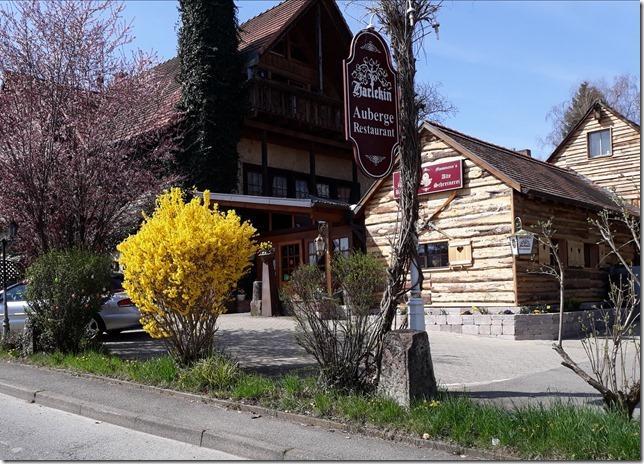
x: 290, y: 258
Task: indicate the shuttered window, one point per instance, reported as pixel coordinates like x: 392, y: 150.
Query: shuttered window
x: 460, y: 253
x: 562, y: 251
x: 544, y: 253
x: 591, y: 255
x: 575, y: 253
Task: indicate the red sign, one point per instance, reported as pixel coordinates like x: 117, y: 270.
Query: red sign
x: 436, y: 178
x: 371, y: 104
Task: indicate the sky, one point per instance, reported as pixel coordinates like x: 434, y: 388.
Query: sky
x: 502, y: 64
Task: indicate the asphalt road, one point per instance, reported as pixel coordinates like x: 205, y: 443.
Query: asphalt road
x: 34, y: 432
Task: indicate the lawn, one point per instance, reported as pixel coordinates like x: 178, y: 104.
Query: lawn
x: 532, y: 432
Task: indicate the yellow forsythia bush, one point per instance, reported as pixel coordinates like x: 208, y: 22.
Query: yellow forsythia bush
x: 180, y: 269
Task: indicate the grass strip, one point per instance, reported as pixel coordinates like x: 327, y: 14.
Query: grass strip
x: 561, y: 431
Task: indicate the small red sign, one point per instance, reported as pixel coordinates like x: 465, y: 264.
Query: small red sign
x: 371, y: 104
x: 436, y: 178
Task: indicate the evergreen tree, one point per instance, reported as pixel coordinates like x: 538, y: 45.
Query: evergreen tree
x: 212, y: 93
x: 585, y: 96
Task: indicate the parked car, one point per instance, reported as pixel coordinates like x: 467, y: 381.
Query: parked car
x: 117, y: 312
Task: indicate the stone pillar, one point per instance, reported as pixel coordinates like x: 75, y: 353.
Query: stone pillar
x: 407, y: 372
x: 256, y: 302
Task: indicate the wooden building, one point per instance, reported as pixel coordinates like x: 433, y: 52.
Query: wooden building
x: 464, y: 245
x: 604, y: 146
x: 295, y: 167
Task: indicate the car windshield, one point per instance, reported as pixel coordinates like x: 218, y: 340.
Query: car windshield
x: 16, y: 293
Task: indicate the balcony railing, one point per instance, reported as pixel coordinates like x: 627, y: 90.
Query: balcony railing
x: 288, y: 103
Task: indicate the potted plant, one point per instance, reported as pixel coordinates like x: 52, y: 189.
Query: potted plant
x: 241, y: 295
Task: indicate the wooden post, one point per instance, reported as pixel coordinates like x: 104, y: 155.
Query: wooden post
x: 327, y: 259
x: 270, y: 299
x: 266, y: 188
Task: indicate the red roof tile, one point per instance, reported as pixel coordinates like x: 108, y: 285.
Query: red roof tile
x: 257, y: 34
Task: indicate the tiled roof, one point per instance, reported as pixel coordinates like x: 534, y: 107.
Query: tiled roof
x: 260, y: 31
x: 256, y: 35
x: 527, y: 174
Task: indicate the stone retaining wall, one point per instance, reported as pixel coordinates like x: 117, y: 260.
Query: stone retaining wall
x: 514, y: 326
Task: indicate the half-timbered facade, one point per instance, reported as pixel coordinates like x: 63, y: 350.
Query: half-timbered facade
x: 605, y: 147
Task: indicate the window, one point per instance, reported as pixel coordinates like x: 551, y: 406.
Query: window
x: 599, y: 143
x: 591, y: 255
x: 301, y: 189
x: 433, y: 255
x: 280, y: 186
x: 344, y: 194
x: 254, y: 183
x: 290, y: 260
x: 323, y: 190
x: 341, y: 246
x: 301, y: 220
x: 313, y: 256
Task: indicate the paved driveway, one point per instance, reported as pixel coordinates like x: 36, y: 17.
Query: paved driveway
x: 504, y: 371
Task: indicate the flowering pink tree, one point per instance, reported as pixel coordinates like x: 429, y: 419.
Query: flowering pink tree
x: 82, y: 125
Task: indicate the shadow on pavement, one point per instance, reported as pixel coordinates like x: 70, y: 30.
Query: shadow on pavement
x: 267, y: 351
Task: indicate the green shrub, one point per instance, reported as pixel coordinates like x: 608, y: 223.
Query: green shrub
x: 362, y: 278
x: 342, y: 338
x: 216, y: 372
x: 66, y: 289
x: 13, y: 343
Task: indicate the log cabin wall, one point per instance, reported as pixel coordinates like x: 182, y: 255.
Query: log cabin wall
x: 480, y: 215
x: 585, y: 264
x: 619, y: 170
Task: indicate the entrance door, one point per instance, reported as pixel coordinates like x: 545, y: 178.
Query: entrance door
x: 290, y: 259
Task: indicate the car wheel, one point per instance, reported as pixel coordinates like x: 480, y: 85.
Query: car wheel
x: 95, y: 327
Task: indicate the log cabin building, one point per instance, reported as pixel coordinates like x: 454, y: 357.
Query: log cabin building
x: 604, y: 146
x: 464, y: 245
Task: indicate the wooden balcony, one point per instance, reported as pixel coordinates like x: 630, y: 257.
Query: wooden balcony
x: 286, y: 105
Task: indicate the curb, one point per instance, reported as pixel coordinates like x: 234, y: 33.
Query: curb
x: 246, y: 447
x: 256, y: 449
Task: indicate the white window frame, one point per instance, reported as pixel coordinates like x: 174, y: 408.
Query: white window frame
x: 610, y: 138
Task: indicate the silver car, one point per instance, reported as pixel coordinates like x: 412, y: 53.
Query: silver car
x: 117, y: 312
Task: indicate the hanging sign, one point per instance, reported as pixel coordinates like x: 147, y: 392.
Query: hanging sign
x: 371, y: 104
x: 436, y: 178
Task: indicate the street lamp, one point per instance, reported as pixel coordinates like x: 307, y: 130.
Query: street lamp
x: 9, y: 235
x: 320, y: 240
x: 322, y: 249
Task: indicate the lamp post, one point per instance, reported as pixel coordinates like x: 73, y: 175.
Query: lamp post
x: 12, y: 230
x: 322, y: 248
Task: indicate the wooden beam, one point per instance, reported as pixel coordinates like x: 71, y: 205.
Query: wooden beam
x: 265, y: 185
x: 318, y: 39
x: 443, y: 206
x: 297, y: 134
